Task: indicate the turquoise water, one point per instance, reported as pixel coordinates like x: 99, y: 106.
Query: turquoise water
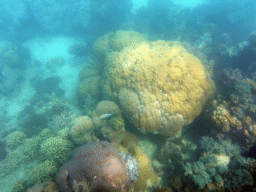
x: 170, y: 84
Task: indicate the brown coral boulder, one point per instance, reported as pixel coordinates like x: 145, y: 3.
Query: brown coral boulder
x: 95, y: 167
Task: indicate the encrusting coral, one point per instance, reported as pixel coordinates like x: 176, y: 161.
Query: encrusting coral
x: 160, y: 86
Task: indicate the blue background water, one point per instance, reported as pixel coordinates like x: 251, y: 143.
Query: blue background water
x: 45, y: 44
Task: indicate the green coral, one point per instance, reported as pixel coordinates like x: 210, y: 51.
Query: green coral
x: 14, y: 140
x: 240, y: 177
x: 20, y: 186
x: 222, y: 147
x: 199, y: 173
x: 44, y: 172
x: 243, y: 88
x: 56, y: 149
x: 117, y: 122
x: 32, y: 146
x: 30, y: 149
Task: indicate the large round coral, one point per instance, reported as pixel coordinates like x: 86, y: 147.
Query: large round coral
x: 82, y: 131
x: 159, y: 85
x: 96, y: 167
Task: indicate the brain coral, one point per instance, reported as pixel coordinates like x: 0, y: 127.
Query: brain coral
x: 96, y: 167
x: 159, y: 85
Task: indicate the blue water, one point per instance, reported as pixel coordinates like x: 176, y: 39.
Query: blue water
x: 52, y: 73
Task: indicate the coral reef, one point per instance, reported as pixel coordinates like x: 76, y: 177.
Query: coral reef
x: 95, y: 166
x: 219, y: 166
x: 89, y: 86
x: 112, y: 127
x: 108, y: 15
x: 9, y: 54
x: 30, y: 149
x: 54, y: 64
x: 176, y: 150
x: 233, y: 113
x: 78, y: 50
x: 14, y: 140
x: 56, y: 149
x: 44, y: 172
x: 31, y: 122
x: 20, y: 186
x: 61, y: 121
x: 160, y: 86
x: 82, y: 131
x: 47, y: 186
x: 59, y: 16
x: 148, y: 178
x: 115, y: 41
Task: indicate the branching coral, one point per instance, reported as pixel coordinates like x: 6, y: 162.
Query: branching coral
x: 14, y: 140
x: 56, y: 149
x: 44, y: 172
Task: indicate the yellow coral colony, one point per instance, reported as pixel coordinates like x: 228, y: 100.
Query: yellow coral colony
x: 159, y: 85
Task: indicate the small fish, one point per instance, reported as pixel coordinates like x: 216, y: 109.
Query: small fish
x: 106, y: 115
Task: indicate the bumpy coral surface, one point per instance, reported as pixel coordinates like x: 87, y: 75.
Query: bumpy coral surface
x: 95, y: 167
x: 14, y: 140
x: 159, y: 85
x: 108, y: 121
x: 56, y: 149
x: 82, y: 132
x: 44, y: 172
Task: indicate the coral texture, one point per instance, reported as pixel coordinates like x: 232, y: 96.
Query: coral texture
x: 160, y: 86
x: 90, y: 84
x: 111, y: 128
x: 95, y: 167
x: 82, y: 132
x: 44, y: 172
x: 115, y: 41
x: 14, y: 140
x: 56, y: 149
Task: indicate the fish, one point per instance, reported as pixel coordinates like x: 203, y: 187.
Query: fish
x: 106, y: 115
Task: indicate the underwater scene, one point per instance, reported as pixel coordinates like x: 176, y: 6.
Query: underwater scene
x: 127, y: 95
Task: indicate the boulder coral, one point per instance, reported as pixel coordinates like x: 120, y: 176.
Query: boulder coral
x: 90, y: 84
x: 115, y: 41
x: 159, y: 85
x: 112, y: 126
x: 82, y: 131
x: 98, y: 166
